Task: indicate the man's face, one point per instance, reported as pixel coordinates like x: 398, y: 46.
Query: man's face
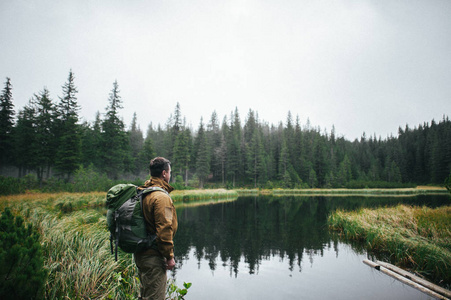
x: 167, y: 174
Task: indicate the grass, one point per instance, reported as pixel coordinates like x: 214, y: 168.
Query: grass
x: 79, y: 259
x: 344, y: 192
x: 197, y: 195
x: 418, y: 238
x: 76, y: 246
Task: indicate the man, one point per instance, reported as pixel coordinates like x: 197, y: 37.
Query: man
x: 161, y: 218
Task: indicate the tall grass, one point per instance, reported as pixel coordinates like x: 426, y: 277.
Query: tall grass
x: 76, y: 246
x: 415, y: 237
x: 79, y: 260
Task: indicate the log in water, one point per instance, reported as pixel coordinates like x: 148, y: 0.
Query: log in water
x: 416, y: 279
x: 406, y: 280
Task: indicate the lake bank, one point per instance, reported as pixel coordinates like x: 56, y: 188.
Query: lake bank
x: 419, y: 190
x: 416, y: 238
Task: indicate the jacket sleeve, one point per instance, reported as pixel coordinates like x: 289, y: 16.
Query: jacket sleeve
x: 164, y: 225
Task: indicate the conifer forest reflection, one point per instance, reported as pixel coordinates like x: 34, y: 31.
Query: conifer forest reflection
x: 242, y: 234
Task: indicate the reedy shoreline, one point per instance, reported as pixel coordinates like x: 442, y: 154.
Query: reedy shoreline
x: 416, y: 238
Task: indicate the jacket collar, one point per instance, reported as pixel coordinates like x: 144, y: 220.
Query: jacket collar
x: 157, y: 181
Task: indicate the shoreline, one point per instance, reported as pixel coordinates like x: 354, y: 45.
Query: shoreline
x: 416, y: 238
x: 420, y: 190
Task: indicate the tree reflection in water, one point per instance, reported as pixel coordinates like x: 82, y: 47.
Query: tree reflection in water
x: 257, y: 228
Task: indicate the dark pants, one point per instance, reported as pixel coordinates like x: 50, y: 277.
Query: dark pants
x: 152, y: 274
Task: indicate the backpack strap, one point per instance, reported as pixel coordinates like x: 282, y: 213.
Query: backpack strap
x: 152, y: 189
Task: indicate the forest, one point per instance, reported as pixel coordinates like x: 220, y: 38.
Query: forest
x: 46, y: 139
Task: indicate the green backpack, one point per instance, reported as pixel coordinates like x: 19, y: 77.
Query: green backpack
x: 125, y: 218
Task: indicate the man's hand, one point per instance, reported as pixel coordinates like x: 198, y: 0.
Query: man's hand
x: 170, y: 264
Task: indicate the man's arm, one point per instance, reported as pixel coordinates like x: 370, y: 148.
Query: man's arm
x: 163, y: 225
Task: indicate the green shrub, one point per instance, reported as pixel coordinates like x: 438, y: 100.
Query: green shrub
x: 22, y: 275
x: 88, y: 180
x: 9, y: 185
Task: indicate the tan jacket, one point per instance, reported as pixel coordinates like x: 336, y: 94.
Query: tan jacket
x: 161, y: 218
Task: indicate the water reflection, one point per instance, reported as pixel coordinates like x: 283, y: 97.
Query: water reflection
x: 258, y: 228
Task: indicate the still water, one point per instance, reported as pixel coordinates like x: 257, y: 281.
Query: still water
x: 280, y: 248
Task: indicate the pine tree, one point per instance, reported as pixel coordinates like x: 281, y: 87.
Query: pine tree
x: 25, y: 140
x: 6, y: 124
x: 35, y: 136
x: 344, y: 171
x: 45, y: 128
x: 182, y: 153
x: 147, y: 151
x: 91, y: 135
x: 177, y: 126
x: 68, y: 155
x: 214, y: 142
x: 115, y: 145
x: 297, y: 147
x: 136, y: 144
x: 221, y: 158
x: 313, y: 181
x: 289, y: 134
x: 256, y: 160
x: 284, y: 161
x: 234, y: 151
x: 181, y: 145
x: 202, y: 159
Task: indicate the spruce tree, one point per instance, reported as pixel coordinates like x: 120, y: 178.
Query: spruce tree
x: 35, y: 136
x: 91, y: 143
x: 202, y: 160
x: 115, y: 145
x: 182, y: 154
x: 6, y: 124
x: 147, y: 151
x: 344, y: 171
x: 234, y: 151
x: 25, y: 140
x: 221, y: 158
x: 136, y: 144
x: 214, y: 141
x: 256, y: 159
x: 45, y: 127
x: 284, y: 165
x: 68, y: 155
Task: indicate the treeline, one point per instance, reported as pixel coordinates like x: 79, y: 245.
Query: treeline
x: 47, y: 139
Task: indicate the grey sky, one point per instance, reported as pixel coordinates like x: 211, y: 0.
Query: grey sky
x: 363, y: 66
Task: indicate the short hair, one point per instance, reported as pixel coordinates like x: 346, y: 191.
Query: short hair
x: 157, y: 165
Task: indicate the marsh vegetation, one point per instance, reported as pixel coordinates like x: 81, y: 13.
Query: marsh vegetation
x: 217, y: 226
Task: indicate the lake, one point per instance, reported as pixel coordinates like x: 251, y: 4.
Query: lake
x: 280, y: 248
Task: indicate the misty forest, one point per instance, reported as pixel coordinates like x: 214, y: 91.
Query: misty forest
x: 47, y: 140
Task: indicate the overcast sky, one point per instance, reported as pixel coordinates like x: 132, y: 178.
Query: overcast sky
x: 363, y: 66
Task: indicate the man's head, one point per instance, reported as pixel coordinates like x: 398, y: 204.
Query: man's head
x: 160, y: 167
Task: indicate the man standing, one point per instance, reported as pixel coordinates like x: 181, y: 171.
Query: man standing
x: 161, y: 218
